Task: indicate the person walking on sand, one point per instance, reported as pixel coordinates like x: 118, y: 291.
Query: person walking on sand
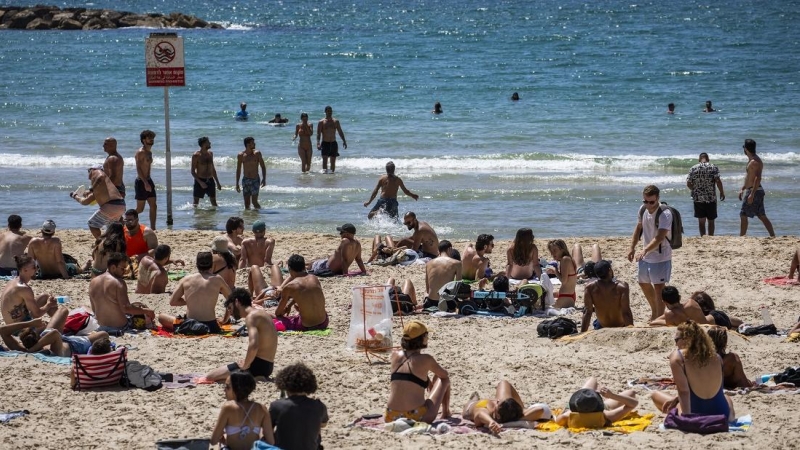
x: 250, y: 159
x: 304, y: 130
x: 326, y: 130
x: 655, y: 259
x: 144, y: 186
x: 204, y: 173
x: 752, y: 193
x: 702, y: 179
x: 114, y: 164
x: 103, y: 191
x: 388, y: 184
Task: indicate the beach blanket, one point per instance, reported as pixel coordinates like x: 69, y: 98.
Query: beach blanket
x: 632, y: 422
x: 227, y: 331
x: 740, y: 425
x: 321, y: 333
x: 652, y: 383
x: 176, y: 275
x: 6, y: 416
x: 180, y: 381
x: 64, y: 361
x: 454, y: 425
x: 782, y: 281
x: 794, y: 338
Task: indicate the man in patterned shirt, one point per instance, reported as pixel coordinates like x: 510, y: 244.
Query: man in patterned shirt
x: 702, y: 178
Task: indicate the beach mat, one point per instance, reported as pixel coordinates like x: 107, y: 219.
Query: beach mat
x: 181, y: 381
x: 740, y: 425
x: 60, y: 360
x: 782, y: 281
x: 319, y: 333
x: 454, y: 425
x: 7, y: 416
x: 632, y: 422
x: 176, y: 275
x: 227, y: 331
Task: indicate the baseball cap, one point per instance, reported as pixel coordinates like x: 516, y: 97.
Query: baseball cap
x: 586, y: 401
x: 49, y: 227
x: 414, y: 329
x: 259, y: 225
x: 602, y: 268
x: 347, y: 228
x: 220, y: 244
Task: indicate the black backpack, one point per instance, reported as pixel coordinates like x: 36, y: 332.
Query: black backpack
x: 193, y: 328
x: 555, y: 328
x: 675, y: 237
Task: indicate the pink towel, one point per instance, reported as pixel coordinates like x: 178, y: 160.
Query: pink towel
x: 782, y: 281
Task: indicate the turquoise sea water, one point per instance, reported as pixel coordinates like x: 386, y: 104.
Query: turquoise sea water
x: 570, y: 158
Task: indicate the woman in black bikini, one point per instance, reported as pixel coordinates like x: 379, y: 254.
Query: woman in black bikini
x: 409, y: 380
x: 224, y: 261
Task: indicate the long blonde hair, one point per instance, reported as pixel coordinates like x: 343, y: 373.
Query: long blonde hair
x: 700, y: 349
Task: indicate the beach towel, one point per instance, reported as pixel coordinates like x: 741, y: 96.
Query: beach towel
x: 184, y: 444
x: 740, y: 425
x: 176, y: 275
x: 320, y: 333
x: 632, y: 422
x: 782, y: 281
x: 181, y: 381
x: 6, y: 416
x: 454, y: 425
x: 61, y: 360
x: 793, y: 338
x: 652, y: 383
x: 228, y: 330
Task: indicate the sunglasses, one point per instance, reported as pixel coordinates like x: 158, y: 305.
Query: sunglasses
x: 649, y: 202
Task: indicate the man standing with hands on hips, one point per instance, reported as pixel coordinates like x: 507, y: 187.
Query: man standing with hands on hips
x: 655, y: 259
x: 327, y: 129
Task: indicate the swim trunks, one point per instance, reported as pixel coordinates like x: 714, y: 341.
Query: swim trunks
x: 250, y: 186
x: 415, y: 414
x: 210, y: 189
x: 117, y: 331
x: 424, y: 254
x: 258, y: 368
x: 140, y: 192
x: 295, y: 323
x: 79, y: 345
x: 329, y: 148
x: 757, y: 207
x: 108, y: 213
x: 388, y: 206
x: 320, y: 267
x: 703, y: 210
x: 721, y: 319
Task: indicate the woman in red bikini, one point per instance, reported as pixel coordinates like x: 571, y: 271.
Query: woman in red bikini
x: 567, y: 272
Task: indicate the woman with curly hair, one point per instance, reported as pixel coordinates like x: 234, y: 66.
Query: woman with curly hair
x: 523, y: 257
x: 410, y: 382
x: 297, y: 418
x: 111, y: 241
x: 697, y: 372
x: 732, y: 371
x: 241, y: 421
x: 566, y: 271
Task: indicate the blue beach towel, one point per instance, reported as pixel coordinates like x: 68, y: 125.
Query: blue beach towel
x: 61, y: 360
x: 5, y: 417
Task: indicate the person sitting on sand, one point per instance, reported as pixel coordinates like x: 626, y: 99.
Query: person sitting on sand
x: 610, y: 299
x: 224, y: 261
x: 28, y: 331
x: 234, y: 228
x: 677, y: 312
x: 339, y: 262
x: 262, y: 291
x: 440, y: 271
x: 593, y: 407
x: 714, y: 316
x: 12, y: 243
x: 108, y: 296
x: 199, y: 292
x: 140, y: 240
x: 241, y: 421
x: 257, y: 250
x: 46, y: 251
x: 474, y: 263
x: 302, y: 291
x: 405, y: 294
x: 794, y: 267
x: 567, y: 272
x: 586, y: 272
x: 697, y: 372
x: 153, y: 276
x: 261, y: 335
x: 733, y: 375
x: 410, y: 382
x: 19, y: 303
x: 422, y: 240
x: 278, y: 119
x: 298, y: 418
x: 506, y: 406
x: 523, y: 257
x: 111, y: 241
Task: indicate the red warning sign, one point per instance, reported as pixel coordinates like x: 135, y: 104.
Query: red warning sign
x: 164, y: 60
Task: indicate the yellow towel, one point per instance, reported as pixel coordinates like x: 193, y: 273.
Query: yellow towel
x: 794, y: 337
x: 632, y: 422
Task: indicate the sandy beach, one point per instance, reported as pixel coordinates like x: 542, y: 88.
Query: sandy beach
x: 477, y: 352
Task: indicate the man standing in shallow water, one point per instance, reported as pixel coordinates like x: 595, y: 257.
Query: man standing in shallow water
x: 701, y: 180
x: 144, y: 186
x: 114, y: 164
x: 327, y: 129
x: 752, y: 193
x: 250, y: 159
x: 389, y: 184
x: 204, y: 173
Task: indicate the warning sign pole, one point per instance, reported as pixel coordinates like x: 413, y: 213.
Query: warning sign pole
x: 164, y: 65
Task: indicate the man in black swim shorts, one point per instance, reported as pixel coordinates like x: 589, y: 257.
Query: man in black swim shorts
x: 261, y: 334
x: 326, y: 130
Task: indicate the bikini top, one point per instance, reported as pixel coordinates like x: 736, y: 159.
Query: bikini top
x: 244, y: 430
x: 408, y: 376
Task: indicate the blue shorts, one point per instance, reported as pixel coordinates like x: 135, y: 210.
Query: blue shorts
x: 757, y: 207
x: 655, y: 273
x: 250, y: 186
x: 79, y: 345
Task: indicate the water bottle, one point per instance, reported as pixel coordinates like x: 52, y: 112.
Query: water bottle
x: 62, y: 299
x: 766, y: 378
x: 766, y: 316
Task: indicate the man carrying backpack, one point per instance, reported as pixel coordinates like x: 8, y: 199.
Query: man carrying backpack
x: 655, y: 259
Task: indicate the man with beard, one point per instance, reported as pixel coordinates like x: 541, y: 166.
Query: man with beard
x: 475, y: 263
x: 140, y: 240
x: 423, y: 239
x: 261, y: 334
x: 108, y: 296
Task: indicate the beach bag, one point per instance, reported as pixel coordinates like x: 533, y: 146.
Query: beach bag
x: 192, y: 327
x: 401, y: 303
x: 555, y: 328
x: 94, y: 371
x: 141, y: 376
x: 696, y: 423
x: 675, y: 237
x: 455, y: 290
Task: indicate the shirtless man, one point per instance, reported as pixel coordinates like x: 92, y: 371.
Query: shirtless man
x: 108, y: 296
x: 46, y: 251
x: 199, y: 292
x: 34, y: 341
x: 144, y: 186
x: 103, y: 191
x: 12, y: 243
x: 114, y: 164
x: 339, y: 262
x: 262, y: 338
x: 423, y: 239
x: 610, y: 299
x: 204, y: 173
x: 440, y: 271
x: 257, y: 250
x: 18, y: 302
x: 152, y: 277
x: 140, y: 240
x: 475, y: 265
x: 251, y: 159
x: 388, y: 185
x: 752, y: 193
x: 677, y: 312
x: 326, y: 130
x: 303, y: 291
